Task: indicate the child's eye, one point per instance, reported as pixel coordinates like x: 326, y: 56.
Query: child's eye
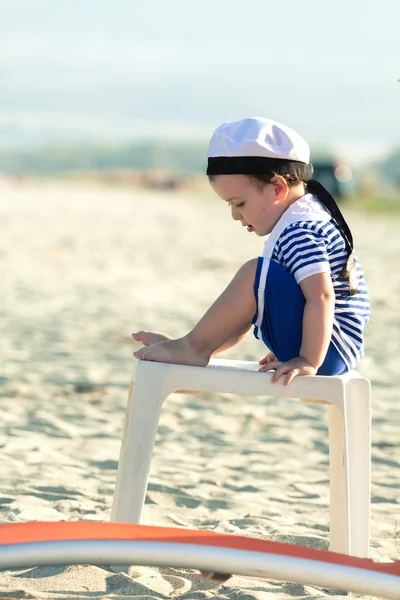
x: 236, y: 205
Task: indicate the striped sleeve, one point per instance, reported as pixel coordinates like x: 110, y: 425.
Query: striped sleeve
x: 302, y: 249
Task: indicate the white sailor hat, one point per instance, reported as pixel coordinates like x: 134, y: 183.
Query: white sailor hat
x: 254, y: 145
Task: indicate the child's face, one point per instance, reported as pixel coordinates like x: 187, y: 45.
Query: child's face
x: 257, y: 208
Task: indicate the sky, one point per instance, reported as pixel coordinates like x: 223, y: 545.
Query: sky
x: 128, y: 69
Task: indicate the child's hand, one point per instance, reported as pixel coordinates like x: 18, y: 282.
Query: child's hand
x: 293, y: 368
x: 267, y: 359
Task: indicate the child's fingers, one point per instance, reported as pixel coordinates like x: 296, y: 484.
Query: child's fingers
x: 282, y: 369
x: 290, y: 376
x: 291, y: 369
x: 267, y: 359
x: 278, y: 373
x: 271, y: 366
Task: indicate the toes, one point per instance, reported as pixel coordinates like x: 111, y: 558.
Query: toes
x: 144, y: 337
x: 144, y: 353
x: 141, y: 354
x: 138, y: 335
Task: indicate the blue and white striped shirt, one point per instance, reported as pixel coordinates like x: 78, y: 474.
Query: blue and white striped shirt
x: 306, y: 248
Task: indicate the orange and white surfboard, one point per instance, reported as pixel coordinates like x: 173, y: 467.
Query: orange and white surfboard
x: 54, y: 543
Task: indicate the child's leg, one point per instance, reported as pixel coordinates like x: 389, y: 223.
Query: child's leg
x: 231, y: 313
x: 147, y: 338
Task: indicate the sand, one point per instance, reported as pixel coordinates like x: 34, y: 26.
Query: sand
x: 85, y: 265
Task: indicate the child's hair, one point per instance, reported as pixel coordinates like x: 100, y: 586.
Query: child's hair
x: 293, y: 172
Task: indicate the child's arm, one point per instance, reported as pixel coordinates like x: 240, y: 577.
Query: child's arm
x: 318, y: 318
x: 317, y: 330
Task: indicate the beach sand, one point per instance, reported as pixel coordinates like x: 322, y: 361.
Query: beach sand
x: 83, y: 267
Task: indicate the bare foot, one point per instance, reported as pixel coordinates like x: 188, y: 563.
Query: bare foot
x: 178, y: 352
x: 147, y: 338
x: 214, y: 576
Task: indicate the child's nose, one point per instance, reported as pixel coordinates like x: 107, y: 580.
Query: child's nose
x: 235, y: 213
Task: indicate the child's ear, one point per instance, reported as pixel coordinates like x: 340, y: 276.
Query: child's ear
x: 281, y: 188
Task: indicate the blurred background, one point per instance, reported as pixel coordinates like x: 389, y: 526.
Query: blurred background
x: 108, y: 226
x: 133, y: 90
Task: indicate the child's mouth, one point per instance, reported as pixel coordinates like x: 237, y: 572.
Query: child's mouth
x: 250, y: 228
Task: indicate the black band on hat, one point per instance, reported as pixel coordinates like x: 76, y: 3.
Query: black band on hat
x: 245, y: 165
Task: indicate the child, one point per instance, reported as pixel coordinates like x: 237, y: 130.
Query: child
x: 306, y: 295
